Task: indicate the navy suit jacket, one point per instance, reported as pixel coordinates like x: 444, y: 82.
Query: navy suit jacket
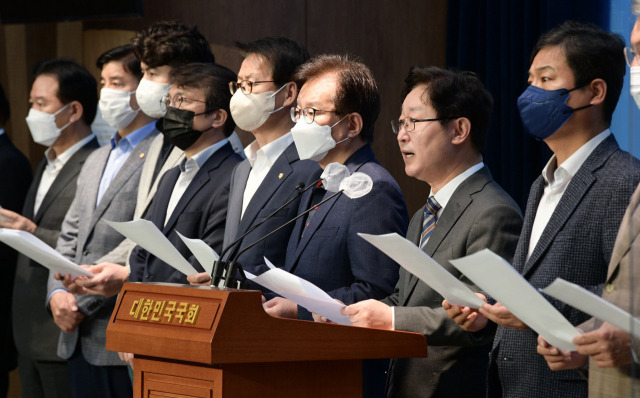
x: 14, y: 182
x: 278, y: 186
x: 576, y: 245
x: 332, y: 256
x: 199, y: 214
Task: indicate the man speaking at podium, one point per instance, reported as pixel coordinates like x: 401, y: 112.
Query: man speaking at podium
x: 441, y: 133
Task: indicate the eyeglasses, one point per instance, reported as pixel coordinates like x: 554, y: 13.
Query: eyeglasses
x: 176, y: 101
x: 630, y: 53
x: 245, y: 85
x: 409, y: 123
x: 308, y: 113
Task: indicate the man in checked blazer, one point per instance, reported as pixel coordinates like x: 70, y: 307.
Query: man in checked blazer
x: 441, y: 132
x: 574, y: 209
x: 107, y: 190
x: 614, y: 369
x: 58, y: 83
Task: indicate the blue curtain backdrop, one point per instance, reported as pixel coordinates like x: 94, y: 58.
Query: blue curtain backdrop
x: 494, y: 38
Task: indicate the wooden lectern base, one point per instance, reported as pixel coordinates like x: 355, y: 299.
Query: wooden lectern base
x: 209, y: 342
x: 313, y: 379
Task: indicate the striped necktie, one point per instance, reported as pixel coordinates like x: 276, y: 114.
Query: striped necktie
x: 429, y: 220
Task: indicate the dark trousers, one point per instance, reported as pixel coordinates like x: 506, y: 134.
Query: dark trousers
x: 90, y: 381
x: 48, y: 379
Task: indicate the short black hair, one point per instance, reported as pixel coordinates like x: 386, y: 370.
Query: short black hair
x: 214, y: 80
x: 357, y: 89
x: 125, y: 55
x: 454, y: 94
x: 171, y: 43
x: 284, y: 55
x: 5, y: 108
x: 75, y: 83
x: 591, y: 53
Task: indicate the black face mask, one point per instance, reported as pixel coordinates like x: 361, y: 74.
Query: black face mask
x: 177, y: 127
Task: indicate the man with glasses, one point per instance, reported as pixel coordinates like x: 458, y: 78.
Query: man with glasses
x: 337, y: 108
x: 441, y: 133
x: 192, y: 198
x: 574, y: 208
x: 614, y: 369
x: 272, y: 172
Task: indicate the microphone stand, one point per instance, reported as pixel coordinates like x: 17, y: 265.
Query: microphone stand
x: 234, y: 266
x: 221, y: 264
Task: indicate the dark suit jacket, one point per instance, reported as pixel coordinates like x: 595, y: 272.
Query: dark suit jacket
x: 15, y: 176
x: 331, y: 255
x: 479, y: 215
x: 576, y: 245
x: 36, y: 335
x: 277, y: 187
x: 200, y: 213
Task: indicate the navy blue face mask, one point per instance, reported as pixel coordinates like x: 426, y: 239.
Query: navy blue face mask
x: 543, y: 112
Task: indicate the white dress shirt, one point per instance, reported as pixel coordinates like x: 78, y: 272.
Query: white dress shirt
x: 556, y: 179
x: 188, y: 170
x: 442, y: 197
x: 53, y: 168
x: 261, y: 160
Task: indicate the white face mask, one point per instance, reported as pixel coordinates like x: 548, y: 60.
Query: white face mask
x: 115, y: 106
x: 149, y: 96
x: 312, y: 140
x: 635, y: 84
x: 249, y: 112
x: 43, y: 126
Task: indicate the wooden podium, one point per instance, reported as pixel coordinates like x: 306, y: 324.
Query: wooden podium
x: 207, y: 342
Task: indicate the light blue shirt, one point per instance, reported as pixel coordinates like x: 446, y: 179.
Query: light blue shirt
x: 120, y: 151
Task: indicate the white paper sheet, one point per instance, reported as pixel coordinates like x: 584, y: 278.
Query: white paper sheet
x: 301, y: 292
x: 150, y: 238
x: 414, y: 260
x: 41, y: 253
x: 498, y: 278
x: 204, y: 253
x: 594, y: 305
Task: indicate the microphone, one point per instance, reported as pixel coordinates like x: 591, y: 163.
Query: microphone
x: 354, y: 186
x: 333, y: 174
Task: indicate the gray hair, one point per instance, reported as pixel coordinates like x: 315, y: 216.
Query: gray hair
x: 635, y: 7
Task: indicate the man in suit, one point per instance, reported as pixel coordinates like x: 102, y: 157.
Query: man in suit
x: 575, y: 207
x: 14, y: 183
x: 192, y: 199
x: 272, y: 172
x: 107, y: 190
x: 339, y: 103
x: 612, y: 353
x: 65, y: 89
x: 441, y: 133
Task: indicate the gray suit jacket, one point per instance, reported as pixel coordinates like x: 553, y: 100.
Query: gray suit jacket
x: 36, y: 335
x: 85, y: 238
x: 479, y: 215
x: 576, y: 245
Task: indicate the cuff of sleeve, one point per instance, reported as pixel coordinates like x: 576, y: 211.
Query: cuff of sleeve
x: 46, y: 304
x: 393, y: 318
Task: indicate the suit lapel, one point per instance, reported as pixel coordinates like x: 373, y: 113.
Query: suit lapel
x: 133, y: 163
x: 30, y: 200
x: 234, y: 210
x: 460, y: 200
x: 629, y: 230
x: 67, y: 175
x: 575, y: 192
x: 163, y: 197
x: 279, y: 172
x: 201, y: 179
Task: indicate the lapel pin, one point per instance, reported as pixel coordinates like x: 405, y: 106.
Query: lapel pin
x: 280, y: 176
x: 141, y: 155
